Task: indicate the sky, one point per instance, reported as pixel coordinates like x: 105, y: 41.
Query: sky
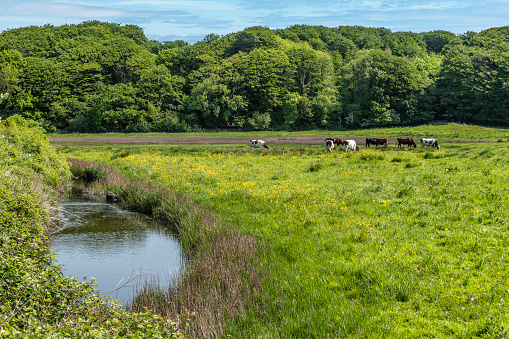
x: 191, y: 20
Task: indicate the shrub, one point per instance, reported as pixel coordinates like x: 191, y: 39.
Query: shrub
x: 25, y: 147
x: 36, y: 299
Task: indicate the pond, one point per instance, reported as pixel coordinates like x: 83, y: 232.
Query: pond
x: 120, y: 249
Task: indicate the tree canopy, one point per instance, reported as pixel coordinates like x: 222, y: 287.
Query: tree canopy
x: 97, y: 76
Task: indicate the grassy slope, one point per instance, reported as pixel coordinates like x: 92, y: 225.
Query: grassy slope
x: 381, y: 242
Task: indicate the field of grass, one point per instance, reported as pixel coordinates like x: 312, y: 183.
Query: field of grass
x: 443, y: 132
x: 377, y: 243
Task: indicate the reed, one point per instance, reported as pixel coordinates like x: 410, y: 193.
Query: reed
x: 220, y: 278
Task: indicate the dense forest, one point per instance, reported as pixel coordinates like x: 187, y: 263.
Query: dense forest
x: 97, y: 77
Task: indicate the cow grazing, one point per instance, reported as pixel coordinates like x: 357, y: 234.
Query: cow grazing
x: 329, y: 145
x: 258, y: 143
x: 430, y: 142
x: 406, y: 141
x: 336, y: 141
x: 381, y: 141
x: 370, y: 141
x: 350, y: 144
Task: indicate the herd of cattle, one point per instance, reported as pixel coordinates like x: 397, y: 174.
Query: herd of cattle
x: 352, y: 145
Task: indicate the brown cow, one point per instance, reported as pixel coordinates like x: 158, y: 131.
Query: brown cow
x: 406, y: 141
x: 381, y: 141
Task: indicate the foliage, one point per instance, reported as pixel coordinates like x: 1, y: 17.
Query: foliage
x: 36, y: 300
x: 379, y: 88
x: 25, y: 148
x: 294, y: 78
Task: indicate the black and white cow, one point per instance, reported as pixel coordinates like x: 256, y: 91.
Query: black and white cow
x: 350, y: 144
x: 430, y: 142
x: 329, y: 144
x: 258, y: 143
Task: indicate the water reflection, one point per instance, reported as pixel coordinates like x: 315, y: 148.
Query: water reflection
x: 99, y: 240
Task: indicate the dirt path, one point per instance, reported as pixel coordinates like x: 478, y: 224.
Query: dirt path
x: 307, y: 140
x: 302, y: 140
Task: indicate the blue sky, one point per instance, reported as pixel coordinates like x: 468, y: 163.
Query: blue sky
x: 191, y: 20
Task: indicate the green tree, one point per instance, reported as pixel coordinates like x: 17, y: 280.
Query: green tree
x: 114, y: 107
x: 473, y: 85
x: 252, y: 38
x: 437, y: 40
x: 266, y: 72
x: 454, y: 84
x: 380, y: 88
x: 365, y: 37
x: 314, y: 78
x: 12, y: 98
x: 406, y: 44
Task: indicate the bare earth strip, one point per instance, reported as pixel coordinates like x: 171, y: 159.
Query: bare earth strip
x: 303, y: 140
x: 308, y: 140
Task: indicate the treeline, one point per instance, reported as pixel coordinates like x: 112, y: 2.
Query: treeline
x: 96, y: 77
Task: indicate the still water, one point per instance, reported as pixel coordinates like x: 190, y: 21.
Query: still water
x: 120, y: 249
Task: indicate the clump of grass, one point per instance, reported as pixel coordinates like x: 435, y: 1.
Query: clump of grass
x: 121, y: 154
x: 486, y: 153
x: 404, y: 192
x: 371, y: 157
x: 314, y: 167
x: 93, y: 172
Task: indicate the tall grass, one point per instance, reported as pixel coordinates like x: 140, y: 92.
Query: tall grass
x: 221, y: 277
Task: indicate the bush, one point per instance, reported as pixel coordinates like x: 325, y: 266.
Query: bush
x: 25, y: 148
x: 36, y: 299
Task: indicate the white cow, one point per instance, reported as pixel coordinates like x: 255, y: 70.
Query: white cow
x: 329, y: 145
x: 258, y: 143
x: 350, y: 144
x: 430, y: 142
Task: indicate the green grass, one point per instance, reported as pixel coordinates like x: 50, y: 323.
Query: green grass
x: 444, y: 132
x: 376, y: 243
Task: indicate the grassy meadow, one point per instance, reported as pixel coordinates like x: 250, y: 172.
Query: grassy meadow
x: 378, y: 243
